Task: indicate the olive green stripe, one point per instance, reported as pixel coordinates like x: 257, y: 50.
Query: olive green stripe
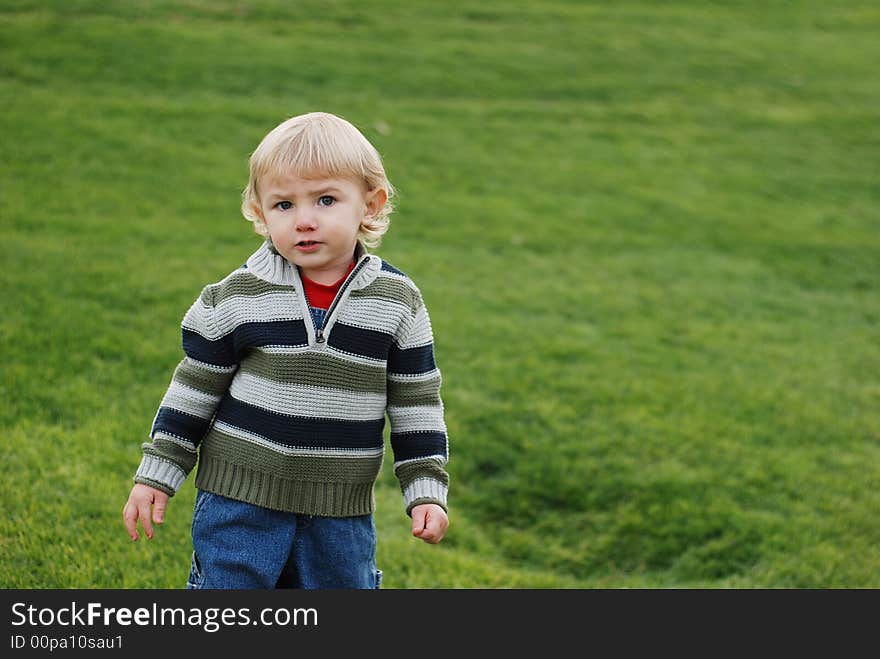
x: 220, y: 445
x: 163, y: 448
x: 388, y: 289
x: 246, y: 284
x: 427, y: 468
x: 420, y: 392
x: 318, y: 370
x: 209, y: 382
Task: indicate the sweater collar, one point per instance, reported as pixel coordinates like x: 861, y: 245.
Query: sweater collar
x: 267, y: 264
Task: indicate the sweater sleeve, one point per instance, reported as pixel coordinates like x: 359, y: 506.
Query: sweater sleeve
x: 187, y: 409
x: 415, y: 411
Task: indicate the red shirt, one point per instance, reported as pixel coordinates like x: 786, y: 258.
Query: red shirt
x: 322, y: 295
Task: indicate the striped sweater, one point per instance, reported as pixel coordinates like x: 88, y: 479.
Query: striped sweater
x: 289, y: 416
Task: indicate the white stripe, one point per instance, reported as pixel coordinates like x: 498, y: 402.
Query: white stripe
x: 427, y: 488
x: 284, y: 350
x: 212, y: 368
x: 407, y: 378
x: 417, y: 332
x: 298, y: 450
x: 417, y: 417
x: 190, y: 401
x: 161, y: 471
x: 271, y: 306
x: 197, y: 319
x: 376, y: 314
x: 307, y: 400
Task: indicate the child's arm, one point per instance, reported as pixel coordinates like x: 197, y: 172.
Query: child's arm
x: 185, y: 413
x: 418, y: 430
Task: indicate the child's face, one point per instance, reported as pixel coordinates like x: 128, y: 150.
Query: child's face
x: 314, y: 223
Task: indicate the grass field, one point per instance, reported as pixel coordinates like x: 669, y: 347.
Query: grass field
x: 648, y: 234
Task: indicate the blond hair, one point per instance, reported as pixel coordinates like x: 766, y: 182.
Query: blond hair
x: 318, y: 145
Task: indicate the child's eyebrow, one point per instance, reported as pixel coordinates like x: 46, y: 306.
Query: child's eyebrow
x: 318, y: 191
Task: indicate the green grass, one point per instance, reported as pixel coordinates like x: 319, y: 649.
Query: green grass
x: 648, y: 234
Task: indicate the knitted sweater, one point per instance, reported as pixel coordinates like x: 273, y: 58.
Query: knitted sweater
x: 288, y: 416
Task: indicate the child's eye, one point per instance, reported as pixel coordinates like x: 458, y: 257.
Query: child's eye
x: 326, y: 200
x: 284, y: 205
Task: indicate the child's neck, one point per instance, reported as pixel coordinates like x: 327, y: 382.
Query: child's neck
x: 328, y: 277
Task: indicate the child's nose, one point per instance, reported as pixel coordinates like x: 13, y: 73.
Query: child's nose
x: 305, y: 221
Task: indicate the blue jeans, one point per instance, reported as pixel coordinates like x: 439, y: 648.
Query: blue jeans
x: 239, y: 545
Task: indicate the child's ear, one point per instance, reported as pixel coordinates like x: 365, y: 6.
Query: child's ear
x: 376, y: 199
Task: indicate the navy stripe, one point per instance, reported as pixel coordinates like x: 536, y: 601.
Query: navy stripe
x: 411, y: 445
x: 180, y: 424
x: 360, y: 341
x: 387, y: 267
x: 219, y: 353
x: 273, y: 333
x: 411, y: 360
x: 228, y: 350
x: 301, y: 431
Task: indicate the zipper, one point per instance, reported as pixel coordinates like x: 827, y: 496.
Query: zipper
x: 319, y: 331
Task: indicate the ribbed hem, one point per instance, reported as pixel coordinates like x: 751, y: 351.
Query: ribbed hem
x: 424, y: 490
x: 270, y: 491
x: 155, y: 472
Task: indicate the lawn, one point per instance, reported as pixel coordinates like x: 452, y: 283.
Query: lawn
x: 648, y: 234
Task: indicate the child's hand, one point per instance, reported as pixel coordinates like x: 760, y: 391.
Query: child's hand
x: 429, y: 522
x: 138, y: 506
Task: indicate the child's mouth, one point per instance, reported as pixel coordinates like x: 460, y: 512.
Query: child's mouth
x: 307, y: 245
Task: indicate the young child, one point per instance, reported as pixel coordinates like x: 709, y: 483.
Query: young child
x: 292, y: 362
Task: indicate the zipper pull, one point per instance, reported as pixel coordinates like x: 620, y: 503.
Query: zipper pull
x: 319, y: 337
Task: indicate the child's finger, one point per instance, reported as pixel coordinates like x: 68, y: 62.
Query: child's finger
x: 432, y: 530
x: 129, y: 516
x: 435, y: 528
x: 144, y: 514
x: 159, y: 511
x: 418, y: 521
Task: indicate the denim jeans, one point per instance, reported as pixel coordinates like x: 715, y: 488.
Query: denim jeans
x: 240, y: 545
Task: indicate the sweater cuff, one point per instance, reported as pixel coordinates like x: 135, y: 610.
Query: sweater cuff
x: 425, y: 490
x: 160, y: 474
